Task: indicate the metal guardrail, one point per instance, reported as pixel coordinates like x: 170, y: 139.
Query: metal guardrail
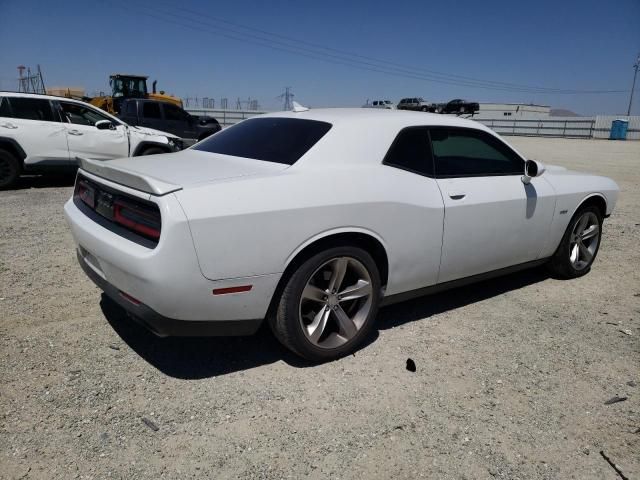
x: 582, y: 128
x: 225, y: 117
x: 567, y: 127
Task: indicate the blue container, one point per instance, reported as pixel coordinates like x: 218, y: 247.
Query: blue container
x: 619, y: 129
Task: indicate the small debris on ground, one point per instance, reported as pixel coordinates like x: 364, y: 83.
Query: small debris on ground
x: 631, y: 383
x: 114, y: 347
x: 626, y: 331
x: 411, y: 365
x: 150, y: 424
x: 615, y: 399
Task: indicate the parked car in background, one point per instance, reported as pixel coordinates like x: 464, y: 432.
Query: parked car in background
x: 387, y: 104
x: 168, y: 117
x: 415, y: 103
x: 458, y: 106
x: 213, y: 239
x: 40, y: 133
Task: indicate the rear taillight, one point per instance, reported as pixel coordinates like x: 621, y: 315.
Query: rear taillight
x: 85, y: 193
x: 140, y: 218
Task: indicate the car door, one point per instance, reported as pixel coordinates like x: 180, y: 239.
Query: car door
x: 151, y: 115
x: 492, y: 220
x: 86, y: 140
x: 36, y: 126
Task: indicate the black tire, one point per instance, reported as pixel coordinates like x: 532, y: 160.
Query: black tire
x: 462, y: 110
x: 439, y: 110
x: 286, y: 323
x: 10, y: 169
x: 560, y: 264
x: 152, y: 151
x: 424, y: 109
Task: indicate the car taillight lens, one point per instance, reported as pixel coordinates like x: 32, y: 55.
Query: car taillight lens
x: 139, y: 218
x: 86, y: 193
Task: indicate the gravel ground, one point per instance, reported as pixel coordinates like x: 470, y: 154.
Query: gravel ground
x: 511, y: 382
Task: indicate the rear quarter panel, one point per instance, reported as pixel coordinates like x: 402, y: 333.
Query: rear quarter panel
x: 255, y: 225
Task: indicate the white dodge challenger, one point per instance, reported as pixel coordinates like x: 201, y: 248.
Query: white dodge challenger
x: 314, y: 219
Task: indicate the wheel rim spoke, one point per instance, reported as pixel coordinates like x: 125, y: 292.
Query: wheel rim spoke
x: 361, y: 289
x: 311, y: 292
x: 574, y: 253
x: 584, y: 251
x: 347, y: 328
x: 590, y: 232
x: 316, y: 328
x: 582, y: 224
x: 338, y: 273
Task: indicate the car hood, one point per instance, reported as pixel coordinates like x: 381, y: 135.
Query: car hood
x: 145, y: 132
x: 170, y: 172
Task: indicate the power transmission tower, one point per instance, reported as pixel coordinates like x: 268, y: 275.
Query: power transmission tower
x: 633, y: 86
x: 31, y: 83
x: 287, y: 96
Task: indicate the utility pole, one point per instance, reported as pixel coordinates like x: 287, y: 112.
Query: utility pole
x: 633, y: 86
x: 287, y: 96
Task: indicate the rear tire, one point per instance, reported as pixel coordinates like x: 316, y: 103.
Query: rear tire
x: 579, y: 245
x: 329, y: 304
x: 424, y: 109
x: 10, y: 169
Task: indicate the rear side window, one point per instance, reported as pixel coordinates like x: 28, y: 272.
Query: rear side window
x: 171, y: 112
x: 469, y: 153
x: 280, y: 140
x: 411, y: 151
x: 31, y: 109
x: 151, y: 110
x: 132, y: 109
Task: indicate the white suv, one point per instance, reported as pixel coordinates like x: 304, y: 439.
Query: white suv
x: 39, y: 133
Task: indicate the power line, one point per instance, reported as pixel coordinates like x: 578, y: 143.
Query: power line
x: 343, y: 58
x: 297, y: 41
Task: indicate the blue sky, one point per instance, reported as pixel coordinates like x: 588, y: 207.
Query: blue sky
x: 568, y: 45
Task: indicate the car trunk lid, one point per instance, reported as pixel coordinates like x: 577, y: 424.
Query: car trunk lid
x: 170, y: 172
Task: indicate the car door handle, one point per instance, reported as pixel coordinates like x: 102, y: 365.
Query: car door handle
x: 457, y: 196
x: 8, y: 125
x: 75, y: 132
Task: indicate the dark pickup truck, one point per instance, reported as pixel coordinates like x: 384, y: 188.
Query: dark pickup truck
x: 458, y: 106
x: 168, y: 118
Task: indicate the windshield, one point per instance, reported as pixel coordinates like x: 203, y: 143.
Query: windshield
x: 280, y: 140
x: 129, y: 87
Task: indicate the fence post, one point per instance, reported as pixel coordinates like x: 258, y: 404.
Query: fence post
x: 564, y: 131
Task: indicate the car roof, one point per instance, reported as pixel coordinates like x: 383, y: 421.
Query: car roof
x: 38, y: 95
x: 378, y: 118
x: 364, y: 135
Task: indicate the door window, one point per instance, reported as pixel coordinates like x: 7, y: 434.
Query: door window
x: 31, y: 109
x: 171, y: 112
x: 5, y: 111
x: 410, y: 151
x: 151, y: 110
x: 460, y: 152
x: 78, y: 114
x: 132, y: 109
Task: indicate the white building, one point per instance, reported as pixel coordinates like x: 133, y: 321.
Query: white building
x: 510, y: 110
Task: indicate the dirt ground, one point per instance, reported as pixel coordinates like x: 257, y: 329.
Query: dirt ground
x: 511, y: 382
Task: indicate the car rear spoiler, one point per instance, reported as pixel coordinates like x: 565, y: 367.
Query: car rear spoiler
x: 128, y: 178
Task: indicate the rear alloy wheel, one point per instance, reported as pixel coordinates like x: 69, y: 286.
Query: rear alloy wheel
x: 9, y: 169
x: 329, y: 304
x: 579, y: 245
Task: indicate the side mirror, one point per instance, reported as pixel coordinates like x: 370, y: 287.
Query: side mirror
x: 104, y: 125
x: 532, y: 169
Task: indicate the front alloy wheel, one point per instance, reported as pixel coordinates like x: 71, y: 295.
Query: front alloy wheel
x: 585, y: 238
x: 328, y: 304
x: 579, y: 245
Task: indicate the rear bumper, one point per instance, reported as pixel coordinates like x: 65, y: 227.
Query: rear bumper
x: 163, y: 326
